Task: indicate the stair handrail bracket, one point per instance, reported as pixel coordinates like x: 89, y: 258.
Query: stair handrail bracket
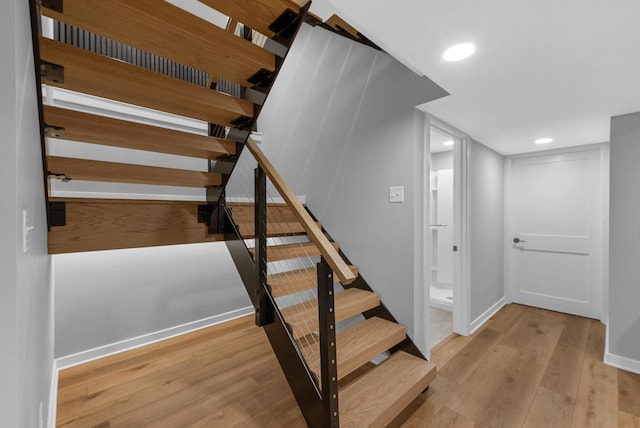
x: 328, y: 251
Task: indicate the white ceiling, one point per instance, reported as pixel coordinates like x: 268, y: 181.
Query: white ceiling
x: 544, y: 68
x: 437, y: 140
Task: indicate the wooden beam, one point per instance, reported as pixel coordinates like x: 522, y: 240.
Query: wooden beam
x: 160, y: 28
x: 340, y: 24
x: 94, y: 74
x: 107, y: 224
x: 91, y: 170
x: 257, y: 14
x: 91, y: 128
x: 340, y: 268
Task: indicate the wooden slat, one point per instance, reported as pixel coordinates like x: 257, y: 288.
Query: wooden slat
x: 303, y: 317
x: 292, y: 251
x: 104, y: 224
x: 247, y: 230
x: 105, y: 77
x: 257, y: 14
x: 158, y: 27
x: 90, y: 128
x: 340, y: 268
x: 90, y: 170
x: 276, y: 213
x: 295, y: 281
x: 377, y: 397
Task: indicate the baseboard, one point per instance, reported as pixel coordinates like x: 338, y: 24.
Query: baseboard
x: 123, y: 195
x: 147, y: 339
x: 53, y: 396
x: 477, y: 323
x: 441, y: 305
x: 618, y: 361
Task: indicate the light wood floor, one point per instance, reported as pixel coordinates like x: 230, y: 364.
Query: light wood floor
x: 525, y: 368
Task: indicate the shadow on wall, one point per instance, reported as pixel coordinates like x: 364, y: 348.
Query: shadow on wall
x: 339, y: 126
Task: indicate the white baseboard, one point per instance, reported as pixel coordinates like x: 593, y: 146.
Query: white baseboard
x: 441, y: 305
x: 618, y: 361
x: 144, y: 196
x: 147, y: 339
x: 477, y: 323
x: 53, y: 396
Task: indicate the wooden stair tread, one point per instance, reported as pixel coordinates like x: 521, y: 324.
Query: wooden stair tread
x: 98, y: 75
x: 91, y: 170
x: 247, y: 230
x: 91, y: 128
x: 293, y: 251
x: 303, y: 317
x: 160, y: 28
x: 277, y: 213
x: 257, y: 14
x: 377, y: 397
x: 107, y: 224
x: 360, y: 343
x: 294, y: 281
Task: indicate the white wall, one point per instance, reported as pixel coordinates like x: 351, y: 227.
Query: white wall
x: 339, y: 126
x: 26, y: 354
x: 107, y: 301
x: 486, y: 208
x: 442, y: 160
x: 624, y: 288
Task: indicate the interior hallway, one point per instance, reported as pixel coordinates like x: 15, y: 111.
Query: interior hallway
x: 526, y: 367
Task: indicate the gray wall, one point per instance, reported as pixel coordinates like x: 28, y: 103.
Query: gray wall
x: 26, y: 353
x: 105, y: 297
x: 624, y: 288
x: 441, y: 160
x: 339, y: 126
x: 486, y: 208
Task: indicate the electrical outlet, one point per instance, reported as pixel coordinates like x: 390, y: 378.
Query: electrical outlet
x: 396, y: 194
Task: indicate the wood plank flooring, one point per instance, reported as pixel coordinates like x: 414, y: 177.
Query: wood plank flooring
x: 526, y: 367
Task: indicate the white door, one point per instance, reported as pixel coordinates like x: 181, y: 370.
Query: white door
x: 555, y: 211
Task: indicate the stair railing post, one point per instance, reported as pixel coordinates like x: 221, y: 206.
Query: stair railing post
x: 328, y: 362
x: 264, y: 309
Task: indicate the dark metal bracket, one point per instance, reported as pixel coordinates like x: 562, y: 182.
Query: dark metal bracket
x: 52, y: 72
x: 56, y: 5
x: 243, y: 122
x: 286, y: 24
x: 262, y: 78
x: 58, y: 212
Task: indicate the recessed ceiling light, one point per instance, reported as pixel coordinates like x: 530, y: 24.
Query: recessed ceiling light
x: 448, y: 143
x: 544, y: 140
x: 459, y: 52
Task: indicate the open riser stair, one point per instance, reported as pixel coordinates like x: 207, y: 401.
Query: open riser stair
x: 333, y: 322
x: 152, y: 55
x: 324, y: 322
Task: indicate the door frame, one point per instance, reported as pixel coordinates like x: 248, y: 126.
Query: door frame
x: 509, y: 262
x: 461, y: 226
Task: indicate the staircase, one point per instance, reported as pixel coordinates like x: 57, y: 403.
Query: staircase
x: 323, y: 320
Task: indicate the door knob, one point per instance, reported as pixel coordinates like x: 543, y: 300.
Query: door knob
x: 518, y: 240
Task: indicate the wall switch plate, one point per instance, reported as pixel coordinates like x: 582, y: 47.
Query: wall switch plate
x: 396, y: 194
x: 25, y: 231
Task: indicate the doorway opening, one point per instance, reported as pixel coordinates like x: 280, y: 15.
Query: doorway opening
x: 442, y: 232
